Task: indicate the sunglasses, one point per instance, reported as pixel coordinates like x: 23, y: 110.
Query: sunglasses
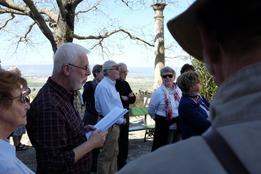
x: 167, y: 75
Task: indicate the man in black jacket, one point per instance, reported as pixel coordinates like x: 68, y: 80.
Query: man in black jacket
x: 127, y: 97
x: 91, y: 115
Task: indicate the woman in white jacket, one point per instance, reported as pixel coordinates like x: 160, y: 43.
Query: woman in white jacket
x: 163, y: 107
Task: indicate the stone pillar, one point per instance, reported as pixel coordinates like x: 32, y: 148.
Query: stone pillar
x: 159, y: 49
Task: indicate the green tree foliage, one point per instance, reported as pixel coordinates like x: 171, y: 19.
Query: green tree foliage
x: 208, y: 85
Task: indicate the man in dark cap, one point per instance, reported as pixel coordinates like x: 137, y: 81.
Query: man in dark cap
x: 226, y: 35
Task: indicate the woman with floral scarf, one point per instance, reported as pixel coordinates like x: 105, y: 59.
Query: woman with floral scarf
x: 163, y: 107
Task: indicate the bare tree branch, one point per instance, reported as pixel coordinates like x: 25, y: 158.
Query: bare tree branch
x: 103, y: 49
x: 35, y: 15
x: 6, y: 22
x: 86, y: 11
x: 131, y: 4
x: 61, y: 7
x: 25, y: 37
x: 11, y: 11
x: 98, y: 44
x: 51, y: 15
x: 12, y: 5
x: 29, y: 29
x: 126, y: 3
x: 76, y: 2
x: 14, y: 8
x: 107, y: 34
x: 61, y: 25
x: 94, y: 7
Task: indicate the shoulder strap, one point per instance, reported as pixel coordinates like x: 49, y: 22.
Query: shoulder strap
x: 224, y: 153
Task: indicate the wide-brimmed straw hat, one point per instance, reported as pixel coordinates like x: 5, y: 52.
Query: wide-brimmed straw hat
x: 184, y: 29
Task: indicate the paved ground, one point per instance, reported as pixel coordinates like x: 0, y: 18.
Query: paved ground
x: 137, y: 147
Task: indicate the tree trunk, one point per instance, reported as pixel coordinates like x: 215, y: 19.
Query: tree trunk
x: 64, y: 30
x: 159, y: 43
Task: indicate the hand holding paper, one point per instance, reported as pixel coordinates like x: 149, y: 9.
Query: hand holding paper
x: 108, y: 120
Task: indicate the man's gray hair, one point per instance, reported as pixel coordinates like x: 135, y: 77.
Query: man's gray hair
x: 122, y: 66
x: 67, y: 53
x: 107, y: 66
x: 167, y: 69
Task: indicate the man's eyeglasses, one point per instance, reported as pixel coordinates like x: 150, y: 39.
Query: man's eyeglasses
x: 86, y: 68
x: 167, y: 75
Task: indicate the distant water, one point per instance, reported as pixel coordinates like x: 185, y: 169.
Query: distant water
x: 46, y: 70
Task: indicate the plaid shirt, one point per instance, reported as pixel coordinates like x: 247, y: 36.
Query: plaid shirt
x: 55, y: 128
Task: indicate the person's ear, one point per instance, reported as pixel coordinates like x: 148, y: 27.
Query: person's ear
x: 66, y: 70
x: 210, y: 45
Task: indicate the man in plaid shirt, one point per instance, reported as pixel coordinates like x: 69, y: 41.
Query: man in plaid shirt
x: 54, y: 125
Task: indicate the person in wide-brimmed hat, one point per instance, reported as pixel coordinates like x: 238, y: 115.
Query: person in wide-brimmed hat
x: 226, y: 35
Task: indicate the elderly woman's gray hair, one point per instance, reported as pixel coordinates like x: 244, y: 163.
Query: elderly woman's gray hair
x: 167, y: 69
x: 67, y: 53
x: 122, y: 66
x: 186, y: 80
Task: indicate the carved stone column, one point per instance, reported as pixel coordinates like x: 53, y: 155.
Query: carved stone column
x: 159, y: 49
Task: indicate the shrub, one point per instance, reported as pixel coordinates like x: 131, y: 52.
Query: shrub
x: 208, y: 86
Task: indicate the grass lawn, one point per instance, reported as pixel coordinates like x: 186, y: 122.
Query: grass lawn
x: 137, y: 84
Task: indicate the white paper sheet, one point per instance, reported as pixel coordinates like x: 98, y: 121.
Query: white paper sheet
x: 106, y: 122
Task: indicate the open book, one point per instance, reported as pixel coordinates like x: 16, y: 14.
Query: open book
x: 108, y: 120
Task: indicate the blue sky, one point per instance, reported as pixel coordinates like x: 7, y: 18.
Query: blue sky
x: 139, y: 20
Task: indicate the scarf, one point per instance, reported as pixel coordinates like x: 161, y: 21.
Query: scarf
x: 167, y: 100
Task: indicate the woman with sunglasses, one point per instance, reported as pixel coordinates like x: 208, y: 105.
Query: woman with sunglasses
x: 163, y: 107
x: 18, y: 132
x: 193, y: 108
x: 13, y: 107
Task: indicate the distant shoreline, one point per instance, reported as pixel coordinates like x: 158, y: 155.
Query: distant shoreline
x: 136, y: 83
x: 45, y: 70
x: 139, y: 78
